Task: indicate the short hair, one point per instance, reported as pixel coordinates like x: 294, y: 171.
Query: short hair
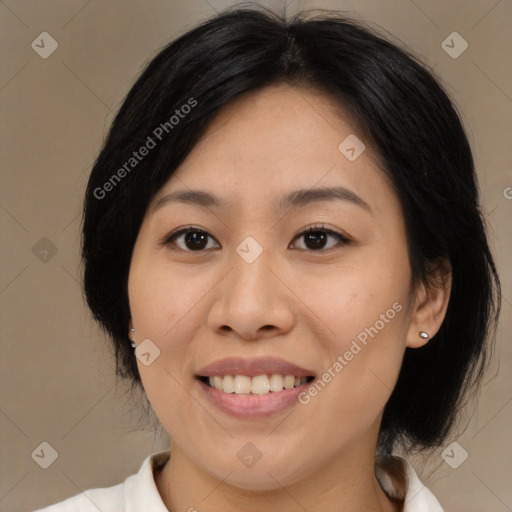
x: 398, y: 107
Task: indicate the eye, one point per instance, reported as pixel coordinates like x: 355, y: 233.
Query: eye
x: 316, y: 238
x: 193, y: 239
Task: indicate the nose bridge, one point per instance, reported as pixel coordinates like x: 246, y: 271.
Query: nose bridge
x: 252, y: 282
x: 250, y: 296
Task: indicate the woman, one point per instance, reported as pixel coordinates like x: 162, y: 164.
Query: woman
x: 282, y: 237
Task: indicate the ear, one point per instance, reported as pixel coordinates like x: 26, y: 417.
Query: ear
x: 130, y: 327
x: 431, y: 303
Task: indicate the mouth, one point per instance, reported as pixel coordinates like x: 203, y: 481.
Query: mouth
x: 253, y: 388
x: 257, y: 385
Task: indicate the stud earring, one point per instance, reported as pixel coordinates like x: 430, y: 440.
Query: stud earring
x: 423, y: 335
x: 132, y: 343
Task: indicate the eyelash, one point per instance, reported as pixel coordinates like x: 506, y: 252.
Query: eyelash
x: 169, y: 240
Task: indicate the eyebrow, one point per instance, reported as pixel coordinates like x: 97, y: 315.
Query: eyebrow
x: 294, y: 199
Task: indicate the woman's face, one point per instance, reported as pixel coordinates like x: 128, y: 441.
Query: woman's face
x: 247, y: 283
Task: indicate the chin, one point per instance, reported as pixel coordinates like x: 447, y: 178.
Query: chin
x: 262, y: 476
x: 257, y: 480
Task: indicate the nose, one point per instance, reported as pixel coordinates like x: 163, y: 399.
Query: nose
x: 252, y: 302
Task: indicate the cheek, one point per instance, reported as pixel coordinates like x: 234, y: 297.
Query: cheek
x: 149, y: 289
x: 359, y: 301
x: 160, y: 297
x: 365, y: 309
x: 156, y: 308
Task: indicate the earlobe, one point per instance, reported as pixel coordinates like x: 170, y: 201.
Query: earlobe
x: 431, y: 304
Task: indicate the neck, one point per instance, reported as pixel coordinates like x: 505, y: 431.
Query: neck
x: 347, y: 483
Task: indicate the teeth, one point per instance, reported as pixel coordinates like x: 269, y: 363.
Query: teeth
x: 217, y: 382
x: 242, y: 384
x: 289, y: 382
x: 228, y: 384
x: 276, y: 383
x: 259, y: 385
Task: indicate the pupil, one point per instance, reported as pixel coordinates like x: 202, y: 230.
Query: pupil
x: 318, y: 238
x: 196, y: 240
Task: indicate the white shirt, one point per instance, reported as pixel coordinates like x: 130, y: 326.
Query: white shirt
x: 139, y: 493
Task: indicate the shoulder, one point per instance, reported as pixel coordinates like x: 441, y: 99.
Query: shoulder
x: 137, y: 492
x: 399, y: 480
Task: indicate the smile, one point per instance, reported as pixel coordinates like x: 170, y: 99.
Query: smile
x: 258, y: 385
x: 253, y: 388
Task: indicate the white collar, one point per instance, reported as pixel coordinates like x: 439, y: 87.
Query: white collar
x: 399, y: 480
x: 394, y: 474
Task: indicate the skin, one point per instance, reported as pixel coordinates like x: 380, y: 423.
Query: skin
x: 302, y: 304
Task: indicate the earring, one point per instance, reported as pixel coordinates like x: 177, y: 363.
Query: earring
x: 133, y: 343
x: 423, y: 335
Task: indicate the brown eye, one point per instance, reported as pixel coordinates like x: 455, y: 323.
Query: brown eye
x: 191, y: 239
x: 316, y: 238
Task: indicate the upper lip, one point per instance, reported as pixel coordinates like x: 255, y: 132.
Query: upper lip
x: 252, y: 367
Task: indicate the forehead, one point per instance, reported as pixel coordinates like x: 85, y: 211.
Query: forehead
x: 275, y: 141
x: 278, y: 122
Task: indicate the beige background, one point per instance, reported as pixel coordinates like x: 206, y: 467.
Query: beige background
x: 57, y: 378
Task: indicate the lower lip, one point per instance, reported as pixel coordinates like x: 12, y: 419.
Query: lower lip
x: 252, y: 406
